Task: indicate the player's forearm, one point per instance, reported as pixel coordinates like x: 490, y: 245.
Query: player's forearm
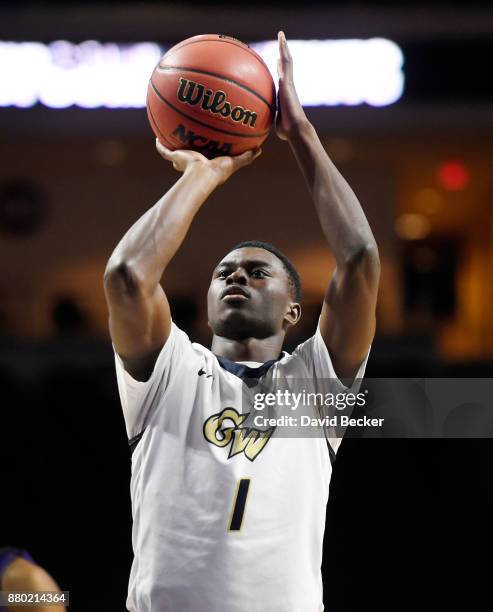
x: 150, y: 244
x: 342, y: 219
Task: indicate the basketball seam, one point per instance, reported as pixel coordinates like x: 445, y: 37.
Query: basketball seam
x: 229, y: 42
x: 219, y: 76
x: 209, y: 127
x: 157, y: 127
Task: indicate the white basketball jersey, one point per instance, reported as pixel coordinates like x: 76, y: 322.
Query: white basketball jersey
x: 224, y: 520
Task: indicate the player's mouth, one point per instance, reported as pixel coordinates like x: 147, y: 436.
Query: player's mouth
x: 234, y: 293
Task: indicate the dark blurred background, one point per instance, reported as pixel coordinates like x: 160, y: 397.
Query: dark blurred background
x: 407, y: 519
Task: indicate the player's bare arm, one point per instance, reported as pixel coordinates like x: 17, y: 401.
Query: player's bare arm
x: 347, y: 322
x: 140, y: 319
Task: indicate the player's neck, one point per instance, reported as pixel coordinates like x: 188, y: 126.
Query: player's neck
x: 248, y: 349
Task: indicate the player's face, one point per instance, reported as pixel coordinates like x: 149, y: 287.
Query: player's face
x: 249, y: 295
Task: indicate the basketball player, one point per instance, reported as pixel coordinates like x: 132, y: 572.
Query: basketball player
x: 225, y: 519
x: 19, y: 572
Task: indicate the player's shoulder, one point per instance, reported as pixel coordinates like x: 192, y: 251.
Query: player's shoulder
x: 191, y: 353
x: 297, y: 363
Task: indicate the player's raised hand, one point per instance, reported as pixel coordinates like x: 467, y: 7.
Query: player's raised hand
x: 222, y: 167
x: 290, y: 113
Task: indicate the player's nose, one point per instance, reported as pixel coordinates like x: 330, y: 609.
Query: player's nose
x: 237, y: 276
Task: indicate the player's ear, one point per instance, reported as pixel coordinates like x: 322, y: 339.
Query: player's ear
x: 293, y: 313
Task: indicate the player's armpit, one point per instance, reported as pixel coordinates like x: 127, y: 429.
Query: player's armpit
x: 139, y: 320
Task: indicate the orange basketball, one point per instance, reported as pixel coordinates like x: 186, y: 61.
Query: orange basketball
x: 213, y: 94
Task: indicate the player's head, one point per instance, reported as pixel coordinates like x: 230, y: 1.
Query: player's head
x: 264, y: 292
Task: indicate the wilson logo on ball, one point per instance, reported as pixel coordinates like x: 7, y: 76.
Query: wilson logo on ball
x: 215, y: 102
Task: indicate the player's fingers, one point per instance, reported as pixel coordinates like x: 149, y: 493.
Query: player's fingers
x: 172, y: 156
x: 279, y: 68
x: 283, y: 48
x: 247, y: 157
x: 279, y: 41
x: 164, y: 151
x: 257, y: 153
x: 286, y: 59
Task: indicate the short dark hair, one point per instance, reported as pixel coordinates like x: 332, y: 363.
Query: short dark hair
x: 293, y: 276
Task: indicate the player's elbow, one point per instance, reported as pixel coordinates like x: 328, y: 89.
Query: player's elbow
x: 364, y: 261
x: 121, y: 277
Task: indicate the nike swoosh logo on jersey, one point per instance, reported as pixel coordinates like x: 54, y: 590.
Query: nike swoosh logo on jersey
x: 202, y: 371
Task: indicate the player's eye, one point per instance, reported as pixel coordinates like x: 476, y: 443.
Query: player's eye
x: 259, y: 274
x: 222, y: 274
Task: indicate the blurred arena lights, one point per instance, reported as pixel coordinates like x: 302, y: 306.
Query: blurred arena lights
x: 342, y: 72
x: 411, y: 226
x: 96, y: 74
x: 428, y: 200
x: 453, y: 175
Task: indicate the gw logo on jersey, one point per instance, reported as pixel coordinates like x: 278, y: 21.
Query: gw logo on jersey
x: 225, y: 428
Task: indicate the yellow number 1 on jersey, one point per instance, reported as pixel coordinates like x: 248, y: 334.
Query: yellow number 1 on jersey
x: 238, y: 508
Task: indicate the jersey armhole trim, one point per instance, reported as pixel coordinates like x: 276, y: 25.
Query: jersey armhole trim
x: 332, y: 454
x: 132, y: 443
